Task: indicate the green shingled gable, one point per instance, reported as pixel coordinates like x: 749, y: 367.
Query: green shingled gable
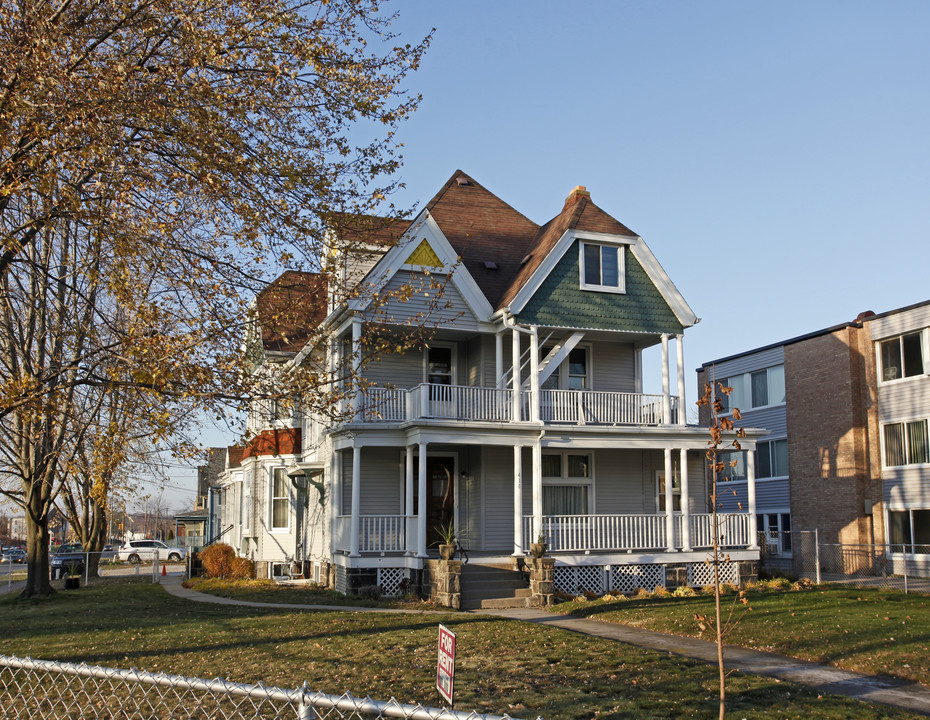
x: 560, y: 301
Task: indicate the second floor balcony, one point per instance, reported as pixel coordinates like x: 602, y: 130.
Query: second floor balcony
x: 486, y: 404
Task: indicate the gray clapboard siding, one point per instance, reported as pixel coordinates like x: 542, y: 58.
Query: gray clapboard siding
x: 774, y: 419
x: 497, y: 474
x: 405, y: 370
x: 749, y: 363
x: 771, y: 496
x: 906, y: 488
x: 900, y: 323
x: 904, y: 400
x: 446, y: 310
x: 380, y: 476
x: 613, y: 367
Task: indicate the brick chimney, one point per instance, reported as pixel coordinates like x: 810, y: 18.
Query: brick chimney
x: 577, y: 194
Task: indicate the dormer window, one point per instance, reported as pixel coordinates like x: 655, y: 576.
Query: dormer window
x: 603, y: 267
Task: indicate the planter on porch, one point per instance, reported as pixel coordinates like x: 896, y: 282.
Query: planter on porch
x: 538, y: 549
x: 446, y: 551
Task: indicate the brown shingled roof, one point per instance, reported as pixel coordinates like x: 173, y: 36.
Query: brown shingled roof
x: 235, y: 455
x: 482, y: 229
x: 290, y: 308
x: 367, y: 229
x: 578, y: 213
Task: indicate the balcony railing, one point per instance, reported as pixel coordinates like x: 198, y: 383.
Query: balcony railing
x: 578, y: 533
x: 484, y: 404
x: 376, y: 533
x: 564, y: 533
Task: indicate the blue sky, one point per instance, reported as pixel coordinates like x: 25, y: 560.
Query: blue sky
x: 774, y: 156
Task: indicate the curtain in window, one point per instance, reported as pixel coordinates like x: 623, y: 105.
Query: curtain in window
x: 565, y: 499
x: 918, y: 450
x: 894, y: 444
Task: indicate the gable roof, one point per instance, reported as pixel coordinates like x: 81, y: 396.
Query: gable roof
x: 371, y: 230
x: 578, y: 213
x: 482, y: 229
x: 289, y: 308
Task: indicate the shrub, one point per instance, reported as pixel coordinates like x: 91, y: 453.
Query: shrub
x: 220, y: 561
x: 369, y: 592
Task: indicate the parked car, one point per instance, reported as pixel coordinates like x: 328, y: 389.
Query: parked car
x: 67, y: 559
x: 135, y: 551
x: 14, y: 555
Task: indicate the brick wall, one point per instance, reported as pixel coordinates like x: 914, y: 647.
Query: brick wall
x: 828, y: 453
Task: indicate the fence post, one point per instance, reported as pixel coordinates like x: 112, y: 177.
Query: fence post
x: 905, y: 570
x: 305, y: 709
x: 86, y: 568
x: 817, y: 554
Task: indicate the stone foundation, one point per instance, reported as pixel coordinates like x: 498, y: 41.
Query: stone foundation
x: 442, y: 582
x: 542, y: 580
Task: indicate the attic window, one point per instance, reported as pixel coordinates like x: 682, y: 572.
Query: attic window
x: 490, y: 265
x: 603, y: 267
x: 462, y: 180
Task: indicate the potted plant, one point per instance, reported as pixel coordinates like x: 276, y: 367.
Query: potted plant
x: 538, y: 548
x: 73, y: 580
x: 447, y: 537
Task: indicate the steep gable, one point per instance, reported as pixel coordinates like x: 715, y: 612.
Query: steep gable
x: 487, y: 233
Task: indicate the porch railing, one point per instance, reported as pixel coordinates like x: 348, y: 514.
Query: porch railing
x: 376, y: 533
x: 488, y: 404
x: 577, y: 533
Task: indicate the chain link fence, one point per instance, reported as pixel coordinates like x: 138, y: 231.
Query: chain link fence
x: 799, y: 553
x: 43, y: 689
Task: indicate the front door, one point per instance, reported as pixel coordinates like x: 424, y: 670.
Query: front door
x: 440, y: 496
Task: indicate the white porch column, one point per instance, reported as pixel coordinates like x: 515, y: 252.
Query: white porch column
x: 534, y: 375
x: 669, y: 503
x: 515, y: 376
x: 421, y: 520
x: 356, y: 363
x: 519, y: 544
x: 751, y: 499
x: 666, y: 399
x: 499, y: 360
x: 680, y: 368
x: 537, y: 491
x: 685, y: 504
x: 356, y: 500
x: 410, y: 534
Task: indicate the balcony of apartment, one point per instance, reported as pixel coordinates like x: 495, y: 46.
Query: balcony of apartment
x: 489, y: 404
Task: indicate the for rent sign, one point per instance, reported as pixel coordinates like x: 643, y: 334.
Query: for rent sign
x: 445, y: 667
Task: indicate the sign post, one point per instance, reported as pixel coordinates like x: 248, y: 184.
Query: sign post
x: 445, y: 666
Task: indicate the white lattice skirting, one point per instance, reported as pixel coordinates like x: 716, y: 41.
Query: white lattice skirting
x: 598, y: 579
x: 702, y: 574
x: 390, y: 581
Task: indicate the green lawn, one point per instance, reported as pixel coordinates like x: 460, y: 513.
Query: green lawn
x: 502, y: 666
x: 872, y: 631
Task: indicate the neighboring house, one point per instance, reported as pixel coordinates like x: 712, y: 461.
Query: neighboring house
x: 847, y: 408
x: 191, y: 529
x: 522, y: 415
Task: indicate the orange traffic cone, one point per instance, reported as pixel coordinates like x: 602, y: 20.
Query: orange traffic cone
x: 164, y: 570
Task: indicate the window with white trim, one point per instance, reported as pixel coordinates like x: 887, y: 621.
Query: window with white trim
x: 738, y: 470
x: 566, y: 484
x: 772, y: 458
x: 245, y: 509
x: 909, y: 531
x: 906, y: 443
x: 439, y: 365
x: 603, y: 267
x: 754, y: 390
x: 280, y: 499
x: 660, y: 490
x: 901, y: 357
x: 776, y: 529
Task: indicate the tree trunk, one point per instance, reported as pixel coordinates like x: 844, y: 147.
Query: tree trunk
x: 37, y: 579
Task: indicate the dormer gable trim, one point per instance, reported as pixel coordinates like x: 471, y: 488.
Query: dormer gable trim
x: 436, y: 249
x: 634, y: 244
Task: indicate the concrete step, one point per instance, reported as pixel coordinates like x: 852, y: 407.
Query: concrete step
x: 485, y: 583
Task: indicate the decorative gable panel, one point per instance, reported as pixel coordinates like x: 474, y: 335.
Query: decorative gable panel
x: 559, y: 301
x: 424, y: 256
x: 418, y: 299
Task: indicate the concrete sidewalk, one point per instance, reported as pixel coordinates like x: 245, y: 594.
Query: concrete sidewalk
x: 824, y: 678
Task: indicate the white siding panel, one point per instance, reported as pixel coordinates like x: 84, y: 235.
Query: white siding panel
x: 904, y: 400
x: 900, y: 323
